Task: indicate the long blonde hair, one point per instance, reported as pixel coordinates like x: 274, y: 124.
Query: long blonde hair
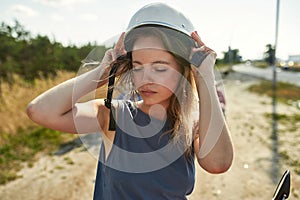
x: 183, y: 102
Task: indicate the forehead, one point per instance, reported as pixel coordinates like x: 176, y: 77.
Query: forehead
x: 148, y: 42
x: 151, y: 55
x: 150, y: 49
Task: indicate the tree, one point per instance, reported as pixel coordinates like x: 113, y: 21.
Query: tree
x: 31, y: 57
x: 269, y: 54
x: 231, y: 56
x: 8, y: 50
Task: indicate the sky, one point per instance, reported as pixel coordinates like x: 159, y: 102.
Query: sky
x: 247, y: 25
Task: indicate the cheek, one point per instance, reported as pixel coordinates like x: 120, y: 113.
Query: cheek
x: 137, y: 80
x: 170, y: 81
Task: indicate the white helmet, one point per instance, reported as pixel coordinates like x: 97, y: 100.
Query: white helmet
x: 173, y: 23
x: 163, y: 15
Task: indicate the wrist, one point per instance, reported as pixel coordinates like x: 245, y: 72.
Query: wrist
x: 204, y: 78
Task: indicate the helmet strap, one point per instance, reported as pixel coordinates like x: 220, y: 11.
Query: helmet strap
x: 107, y: 101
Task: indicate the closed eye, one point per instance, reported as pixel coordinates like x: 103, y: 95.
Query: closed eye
x: 159, y: 67
x: 137, y: 68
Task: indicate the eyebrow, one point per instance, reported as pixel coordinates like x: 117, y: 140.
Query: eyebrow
x: 155, y: 62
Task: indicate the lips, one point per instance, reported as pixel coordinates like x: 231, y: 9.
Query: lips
x: 147, y: 92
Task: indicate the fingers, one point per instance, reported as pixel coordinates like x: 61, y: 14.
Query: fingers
x: 202, y: 46
x: 120, y: 43
x: 119, y: 48
x: 197, y: 38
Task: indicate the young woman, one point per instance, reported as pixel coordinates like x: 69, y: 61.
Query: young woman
x: 150, y: 154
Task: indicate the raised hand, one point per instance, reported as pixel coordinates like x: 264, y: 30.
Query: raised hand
x: 202, y: 57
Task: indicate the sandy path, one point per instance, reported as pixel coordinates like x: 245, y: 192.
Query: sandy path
x: 71, y: 176
x: 248, y: 177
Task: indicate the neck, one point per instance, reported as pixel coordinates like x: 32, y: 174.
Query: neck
x: 158, y: 111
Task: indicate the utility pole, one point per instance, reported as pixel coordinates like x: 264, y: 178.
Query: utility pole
x: 275, y: 164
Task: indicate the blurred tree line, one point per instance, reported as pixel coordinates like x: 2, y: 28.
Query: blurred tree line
x: 33, y: 57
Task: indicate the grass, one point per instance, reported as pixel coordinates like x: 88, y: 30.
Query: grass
x: 15, y: 98
x: 285, y: 92
x: 288, y: 123
x: 20, y: 139
x: 23, y: 146
x: 261, y: 64
x: 286, y: 119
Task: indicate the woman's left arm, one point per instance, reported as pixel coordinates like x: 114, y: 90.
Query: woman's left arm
x: 213, y: 147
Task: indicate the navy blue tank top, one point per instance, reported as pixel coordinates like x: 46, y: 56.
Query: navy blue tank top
x: 143, y: 162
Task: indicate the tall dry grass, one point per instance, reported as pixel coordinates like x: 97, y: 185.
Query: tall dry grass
x: 16, y: 97
x: 20, y: 138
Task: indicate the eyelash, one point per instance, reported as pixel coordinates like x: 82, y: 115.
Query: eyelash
x: 160, y: 69
x: 136, y: 69
x: 155, y: 68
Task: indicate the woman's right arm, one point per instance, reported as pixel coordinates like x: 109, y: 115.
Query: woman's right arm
x: 58, y: 109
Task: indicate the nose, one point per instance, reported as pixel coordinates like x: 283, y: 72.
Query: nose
x: 147, y: 76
